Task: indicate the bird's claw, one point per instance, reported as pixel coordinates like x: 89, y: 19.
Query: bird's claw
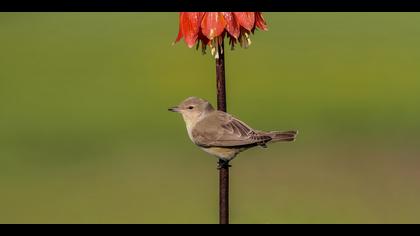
x: 223, y: 164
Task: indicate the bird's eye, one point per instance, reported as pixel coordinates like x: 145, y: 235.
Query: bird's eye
x: 190, y: 107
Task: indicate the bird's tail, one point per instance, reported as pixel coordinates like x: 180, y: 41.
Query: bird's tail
x: 282, y: 136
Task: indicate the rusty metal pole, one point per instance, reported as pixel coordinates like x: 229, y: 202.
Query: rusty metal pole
x: 223, y: 165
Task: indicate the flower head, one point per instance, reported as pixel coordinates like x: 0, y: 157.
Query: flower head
x: 210, y: 28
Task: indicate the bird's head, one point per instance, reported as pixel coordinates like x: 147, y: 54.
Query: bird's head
x: 193, y: 108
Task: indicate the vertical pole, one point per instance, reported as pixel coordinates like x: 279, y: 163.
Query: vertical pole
x: 220, y: 76
x: 223, y: 165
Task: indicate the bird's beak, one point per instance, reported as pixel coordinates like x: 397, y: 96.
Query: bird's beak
x: 174, y: 109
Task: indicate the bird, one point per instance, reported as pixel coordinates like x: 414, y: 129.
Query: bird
x: 220, y: 133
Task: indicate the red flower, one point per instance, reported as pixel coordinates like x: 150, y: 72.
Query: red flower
x: 210, y: 28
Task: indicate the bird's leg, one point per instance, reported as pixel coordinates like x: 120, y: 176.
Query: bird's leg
x: 223, y: 164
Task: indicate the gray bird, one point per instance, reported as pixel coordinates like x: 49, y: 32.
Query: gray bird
x: 221, y: 134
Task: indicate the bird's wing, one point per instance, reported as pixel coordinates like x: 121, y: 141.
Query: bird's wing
x: 220, y: 129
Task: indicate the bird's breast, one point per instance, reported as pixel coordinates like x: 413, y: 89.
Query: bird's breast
x: 189, y: 131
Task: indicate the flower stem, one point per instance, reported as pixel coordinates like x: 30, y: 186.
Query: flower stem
x: 223, y: 165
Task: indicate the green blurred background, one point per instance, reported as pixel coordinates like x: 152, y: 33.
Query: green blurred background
x: 85, y: 135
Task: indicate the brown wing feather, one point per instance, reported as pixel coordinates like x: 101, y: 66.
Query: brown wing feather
x: 223, y: 130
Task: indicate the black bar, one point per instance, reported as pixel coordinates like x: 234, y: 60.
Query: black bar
x: 214, y: 5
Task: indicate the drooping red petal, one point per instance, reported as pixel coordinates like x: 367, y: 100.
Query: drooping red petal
x: 180, y: 29
x: 204, y: 40
x: 232, y: 25
x: 245, y: 19
x: 190, y: 25
x: 213, y: 24
x: 259, y: 21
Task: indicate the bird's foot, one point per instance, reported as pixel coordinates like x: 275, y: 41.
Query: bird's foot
x: 223, y: 164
